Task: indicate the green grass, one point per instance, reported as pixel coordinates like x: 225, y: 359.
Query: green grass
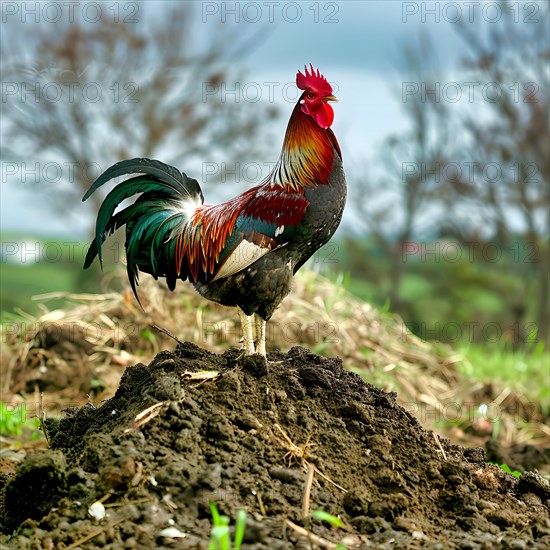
x: 415, y: 287
x: 361, y: 288
x: 334, y: 521
x: 525, y: 368
x: 15, y: 422
x: 507, y: 469
x: 220, y: 535
x: 58, y: 268
x: 436, y: 291
x: 20, y: 282
x: 321, y: 515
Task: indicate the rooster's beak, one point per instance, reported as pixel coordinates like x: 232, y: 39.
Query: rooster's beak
x: 330, y: 98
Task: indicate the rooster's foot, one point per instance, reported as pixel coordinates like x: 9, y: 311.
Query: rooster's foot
x: 247, y: 323
x: 253, y: 333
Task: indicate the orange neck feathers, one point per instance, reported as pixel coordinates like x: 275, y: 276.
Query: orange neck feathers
x: 307, y: 156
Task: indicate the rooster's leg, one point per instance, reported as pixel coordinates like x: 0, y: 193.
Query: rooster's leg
x: 260, y: 334
x: 247, y: 323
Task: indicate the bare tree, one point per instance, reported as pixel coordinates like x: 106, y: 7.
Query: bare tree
x: 512, y: 58
x: 509, y: 132
x: 81, y: 96
x: 407, y: 198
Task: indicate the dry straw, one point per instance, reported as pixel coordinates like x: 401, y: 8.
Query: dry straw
x: 95, y: 336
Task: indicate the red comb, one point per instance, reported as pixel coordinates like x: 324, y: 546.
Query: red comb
x: 314, y: 80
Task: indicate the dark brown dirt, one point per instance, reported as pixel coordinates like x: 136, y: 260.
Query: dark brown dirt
x: 227, y: 440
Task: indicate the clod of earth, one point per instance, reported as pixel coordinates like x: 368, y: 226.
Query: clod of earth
x: 278, y: 439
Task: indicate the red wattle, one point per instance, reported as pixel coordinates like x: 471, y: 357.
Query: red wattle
x: 324, y: 116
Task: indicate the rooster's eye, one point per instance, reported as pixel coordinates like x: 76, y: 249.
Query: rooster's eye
x: 310, y: 95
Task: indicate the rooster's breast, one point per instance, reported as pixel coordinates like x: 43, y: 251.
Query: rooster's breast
x: 261, y: 287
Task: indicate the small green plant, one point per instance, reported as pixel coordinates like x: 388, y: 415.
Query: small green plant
x: 13, y: 421
x: 507, y: 469
x: 220, y: 535
x: 321, y: 515
x: 335, y: 521
x: 148, y: 335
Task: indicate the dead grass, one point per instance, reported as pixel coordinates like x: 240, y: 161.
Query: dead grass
x: 84, y: 348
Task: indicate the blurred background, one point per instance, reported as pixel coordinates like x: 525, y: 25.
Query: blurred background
x: 443, y: 123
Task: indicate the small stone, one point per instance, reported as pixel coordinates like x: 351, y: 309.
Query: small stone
x: 172, y: 533
x: 97, y: 510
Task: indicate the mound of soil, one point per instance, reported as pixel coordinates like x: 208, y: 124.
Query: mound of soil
x: 264, y: 438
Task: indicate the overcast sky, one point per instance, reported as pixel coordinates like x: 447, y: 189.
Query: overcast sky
x: 356, y: 44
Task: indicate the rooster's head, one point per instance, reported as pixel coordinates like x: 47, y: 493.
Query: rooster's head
x: 317, y: 92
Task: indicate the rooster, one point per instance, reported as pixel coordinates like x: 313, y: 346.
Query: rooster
x: 244, y: 252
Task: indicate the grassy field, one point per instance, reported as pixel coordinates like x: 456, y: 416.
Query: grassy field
x: 20, y: 283
x: 438, y: 303
x: 526, y: 369
x: 32, y: 266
